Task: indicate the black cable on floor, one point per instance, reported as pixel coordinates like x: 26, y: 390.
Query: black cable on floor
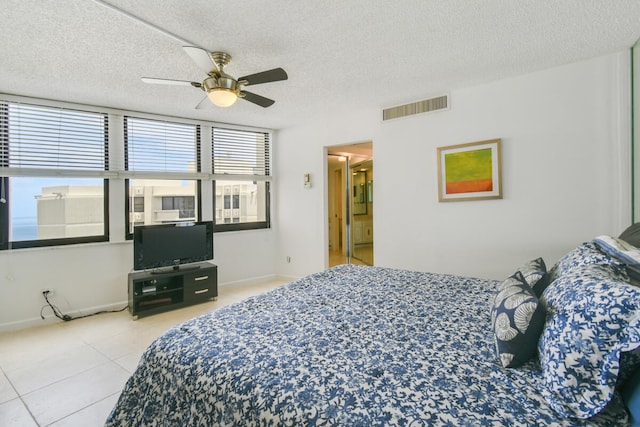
x: 68, y: 318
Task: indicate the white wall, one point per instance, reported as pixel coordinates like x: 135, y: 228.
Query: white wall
x: 566, y: 174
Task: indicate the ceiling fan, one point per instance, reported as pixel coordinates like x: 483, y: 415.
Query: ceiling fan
x: 222, y: 89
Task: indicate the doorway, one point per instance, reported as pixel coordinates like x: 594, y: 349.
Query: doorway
x: 350, y: 204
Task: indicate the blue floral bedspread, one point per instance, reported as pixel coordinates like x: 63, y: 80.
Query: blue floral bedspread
x: 349, y: 346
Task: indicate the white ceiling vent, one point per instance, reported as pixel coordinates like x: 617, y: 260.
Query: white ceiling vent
x: 433, y: 104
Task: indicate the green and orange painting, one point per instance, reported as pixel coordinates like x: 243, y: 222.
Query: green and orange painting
x: 469, y: 171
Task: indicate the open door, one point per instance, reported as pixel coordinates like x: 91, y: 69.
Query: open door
x: 350, y: 204
x: 361, y: 218
x: 337, y: 221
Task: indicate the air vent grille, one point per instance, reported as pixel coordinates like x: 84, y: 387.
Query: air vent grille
x: 439, y: 103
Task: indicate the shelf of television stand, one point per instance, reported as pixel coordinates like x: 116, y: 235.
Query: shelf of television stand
x: 156, y: 291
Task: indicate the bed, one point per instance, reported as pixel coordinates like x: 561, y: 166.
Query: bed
x: 373, y: 346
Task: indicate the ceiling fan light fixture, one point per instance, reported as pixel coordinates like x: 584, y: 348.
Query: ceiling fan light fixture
x: 222, y: 97
x: 222, y: 89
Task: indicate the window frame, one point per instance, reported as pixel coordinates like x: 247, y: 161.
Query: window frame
x: 242, y: 226
x: 235, y: 174
x: 158, y: 174
x: 48, y: 171
x: 62, y: 241
x: 4, y: 213
x: 116, y: 178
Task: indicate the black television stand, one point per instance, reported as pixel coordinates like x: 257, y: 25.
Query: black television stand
x: 157, y: 291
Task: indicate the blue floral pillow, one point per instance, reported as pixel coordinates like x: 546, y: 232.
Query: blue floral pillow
x: 585, y: 254
x: 535, y: 273
x: 517, y: 319
x: 592, y: 316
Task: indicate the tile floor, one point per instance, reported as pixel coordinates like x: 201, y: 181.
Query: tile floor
x: 71, y: 373
x: 337, y: 258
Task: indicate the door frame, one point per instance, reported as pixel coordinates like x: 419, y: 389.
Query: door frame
x: 354, y: 152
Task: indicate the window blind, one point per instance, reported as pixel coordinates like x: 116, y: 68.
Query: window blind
x: 160, y: 146
x: 52, y: 139
x: 240, y: 152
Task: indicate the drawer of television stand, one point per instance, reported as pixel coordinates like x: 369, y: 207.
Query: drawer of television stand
x: 201, y: 284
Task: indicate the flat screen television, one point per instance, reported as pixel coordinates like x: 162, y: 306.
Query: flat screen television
x: 172, y: 245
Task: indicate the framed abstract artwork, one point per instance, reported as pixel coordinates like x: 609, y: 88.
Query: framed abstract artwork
x: 470, y: 171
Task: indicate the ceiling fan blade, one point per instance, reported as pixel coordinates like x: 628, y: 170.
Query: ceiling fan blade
x: 257, y: 99
x: 201, y: 57
x: 274, y: 75
x: 153, y: 80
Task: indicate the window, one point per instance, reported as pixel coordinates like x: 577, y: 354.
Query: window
x: 138, y: 204
x: 162, y: 160
x: 241, y: 166
x: 54, y: 163
x: 241, y: 202
x: 184, y: 205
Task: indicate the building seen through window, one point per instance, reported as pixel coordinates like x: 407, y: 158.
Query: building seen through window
x: 155, y: 201
x: 55, y: 167
x: 240, y: 202
x: 56, y: 208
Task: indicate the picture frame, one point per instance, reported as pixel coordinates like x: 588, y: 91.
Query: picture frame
x: 471, y: 171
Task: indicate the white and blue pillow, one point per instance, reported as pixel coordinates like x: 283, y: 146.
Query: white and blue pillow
x: 517, y: 318
x: 585, y: 254
x: 535, y: 273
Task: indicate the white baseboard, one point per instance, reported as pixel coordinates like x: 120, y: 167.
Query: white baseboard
x: 255, y: 280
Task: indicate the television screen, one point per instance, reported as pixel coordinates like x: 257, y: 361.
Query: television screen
x: 164, y: 245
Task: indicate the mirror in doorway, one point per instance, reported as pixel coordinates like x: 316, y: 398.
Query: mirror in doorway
x: 359, y: 192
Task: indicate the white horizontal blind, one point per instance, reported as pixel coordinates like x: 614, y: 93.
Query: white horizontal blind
x: 52, y: 138
x: 160, y: 146
x: 240, y: 152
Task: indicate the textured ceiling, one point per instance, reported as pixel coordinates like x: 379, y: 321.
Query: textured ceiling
x: 339, y: 54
